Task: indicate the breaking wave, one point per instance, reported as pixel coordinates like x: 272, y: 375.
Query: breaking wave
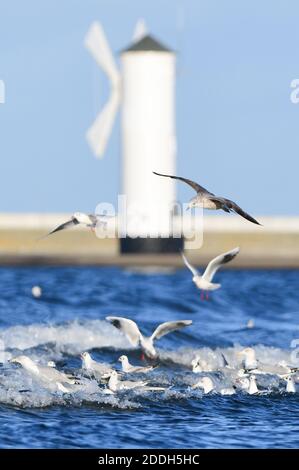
x: 63, y: 343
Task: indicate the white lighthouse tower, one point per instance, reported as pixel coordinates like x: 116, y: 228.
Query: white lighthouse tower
x: 145, y: 89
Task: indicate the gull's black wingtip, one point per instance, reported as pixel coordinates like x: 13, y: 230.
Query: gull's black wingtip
x: 249, y: 218
x: 257, y: 223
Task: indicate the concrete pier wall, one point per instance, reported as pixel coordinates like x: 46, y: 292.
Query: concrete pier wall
x: 276, y: 244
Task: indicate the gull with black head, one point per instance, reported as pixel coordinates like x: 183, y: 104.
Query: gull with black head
x: 130, y: 329
x: 204, y: 281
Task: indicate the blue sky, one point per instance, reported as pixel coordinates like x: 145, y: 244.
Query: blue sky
x: 238, y: 131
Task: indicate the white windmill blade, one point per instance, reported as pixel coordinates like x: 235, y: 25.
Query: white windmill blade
x: 140, y: 30
x: 99, y: 133
x: 96, y: 42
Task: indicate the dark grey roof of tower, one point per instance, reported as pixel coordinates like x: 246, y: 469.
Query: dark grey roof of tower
x: 147, y: 43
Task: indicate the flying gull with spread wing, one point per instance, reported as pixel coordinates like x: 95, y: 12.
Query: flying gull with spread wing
x: 208, y: 200
x: 79, y: 218
x: 130, y: 329
x: 204, y: 281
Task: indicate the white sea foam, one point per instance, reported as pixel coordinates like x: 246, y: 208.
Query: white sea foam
x: 17, y: 388
x: 214, y: 359
x: 52, y: 342
x: 71, y: 338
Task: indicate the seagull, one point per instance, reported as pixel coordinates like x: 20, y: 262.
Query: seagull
x: 79, y: 218
x: 252, y: 385
x: 290, y: 387
x: 100, y: 371
x: 250, y: 361
x: 247, y: 382
x: 114, y: 385
x: 51, y: 364
x: 45, y: 374
x: 204, y: 281
x: 243, y: 383
x: 129, y: 368
x: 130, y: 329
x: 208, y: 386
x: 208, y: 200
x: 199, y: 365
x: 251, y: 364
x: 231, y: 373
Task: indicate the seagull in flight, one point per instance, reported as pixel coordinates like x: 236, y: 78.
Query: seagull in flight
x: 204, y: 281
x: 208, y: 200
x: 130, y: 329
x: 79, y: 218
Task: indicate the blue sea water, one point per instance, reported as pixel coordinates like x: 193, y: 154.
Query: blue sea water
x: 70, y: 318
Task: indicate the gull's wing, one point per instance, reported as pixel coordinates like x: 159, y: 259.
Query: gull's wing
x: 217, y: 262
x: 101, y: 368
x: 168, y: 327
x: 192, y: 269
x: 53, y: 375
x: 131, y: 384
x: 128, y: 328
x: 70, y: 223
x: 227, y: 205
x: 143, y: 370
x: 225, y: 362
x: 195, y: 186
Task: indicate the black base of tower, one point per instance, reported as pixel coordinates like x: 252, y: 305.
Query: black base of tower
x: 151, y: 245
